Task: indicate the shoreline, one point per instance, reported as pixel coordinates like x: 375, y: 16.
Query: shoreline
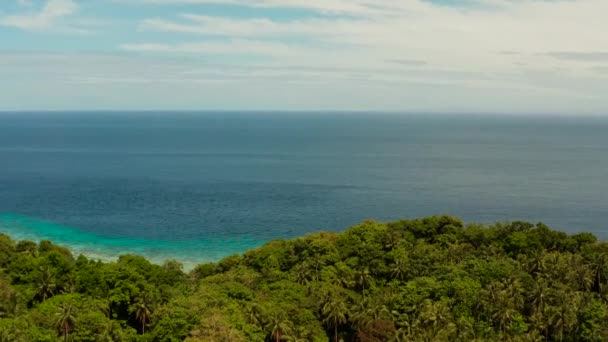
x: 190, y: 253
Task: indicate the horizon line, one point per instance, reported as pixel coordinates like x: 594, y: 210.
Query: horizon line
x: 295, y: 111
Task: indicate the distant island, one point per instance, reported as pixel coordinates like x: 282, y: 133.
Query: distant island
x: 429, y: 279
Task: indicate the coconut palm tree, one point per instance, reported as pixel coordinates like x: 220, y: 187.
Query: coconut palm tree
x: 112, y: 332
x: 538, y: 295
x: 368, y: 311
x: 70, y: 284
x: 279, y: 327
x: 557, y: 321
x: 105, y: 306
x: 600, y: 271
x: 9, y: 301
x: 363, y: 279
x: 255, y: 314
x: 563, y: 316
x: 45, y: 285
x: 6, y: 335
x: 584, y: 277
x: 66, y: 319
x: 317, y: 263
x: 392, y: 239
x: 400, y: 268
x: 302, y: 274
x: 334, y: 312
x: 344, y: 276
x: 142, y: 310
x: 361, y: 314
x: 298, y: 335
x: 436, y: 318
x: 465, y: 330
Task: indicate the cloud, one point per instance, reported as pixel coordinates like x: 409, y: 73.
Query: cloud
x: 408, y: 62
x: 493, y: 54
x: 44, y: 19
x: 493, y: 34
x: 593, y: 56
x: 352, y: 7
x: 103, y: 80
x: 25, y: 3
x: 602, y: 69
x: 259, y: 27
x: 231, y: 47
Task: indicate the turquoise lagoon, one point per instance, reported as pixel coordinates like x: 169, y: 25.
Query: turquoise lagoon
x: 190, y: 253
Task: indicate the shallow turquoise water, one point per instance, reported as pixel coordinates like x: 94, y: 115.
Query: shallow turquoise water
x: 190, y: 253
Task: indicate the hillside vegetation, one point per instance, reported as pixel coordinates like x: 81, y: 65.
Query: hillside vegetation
x: 430, y: 279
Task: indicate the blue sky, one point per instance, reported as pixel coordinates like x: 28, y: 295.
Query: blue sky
x: 503, y: 56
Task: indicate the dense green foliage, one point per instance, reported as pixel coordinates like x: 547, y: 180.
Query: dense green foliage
x: 430, y: 279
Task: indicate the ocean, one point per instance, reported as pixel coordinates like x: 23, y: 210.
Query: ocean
x: 200, y: 186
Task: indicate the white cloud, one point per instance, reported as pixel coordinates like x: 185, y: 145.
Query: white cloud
x: 580, y: 56
x: 25, y: 3
x: 324, y: 6
x: 128, y: 81
x: 262, y: 27
x: 43, y: 19
x: 472, y: 37
x: 525, y: 55
x: 232, y: 47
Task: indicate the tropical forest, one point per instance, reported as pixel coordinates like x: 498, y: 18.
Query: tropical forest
x: 429, y: 279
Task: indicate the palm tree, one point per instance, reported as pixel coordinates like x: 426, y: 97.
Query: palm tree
x: 400, y: 268
x: 584, y: 277
x: 70, y: 284
x: 538, y: 295
x: 557, y: 321
x: 513, y: 291
x: 408, y: 323
x: 502, y: 302
x: 369, y: 311
x: 317, y: 263
x: 465, y: 330
x: 45, y: 286
x: 255, y: 315
x: 279, y: 326
x: 563, y: 316
x: 361, y: 315
x: 392, y: 239
x: 533, y: 263
x: 6, y: 335
x: 334, y: 312
x: 301, y: 273
x: 600, y: 271
x: 112, y: 332
x: 66, y: 319
x: 105, y: 306
x: 142, y: 310
x: 436, y: 318
x: 551, y: 266
x: 9, y: 301
x: 298, y: 335
x: 343, y: 276
x: 363, y: 279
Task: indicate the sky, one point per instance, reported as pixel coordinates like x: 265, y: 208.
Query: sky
x: 490, y: 56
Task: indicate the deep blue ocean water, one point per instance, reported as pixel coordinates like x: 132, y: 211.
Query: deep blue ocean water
x: 199, y: 186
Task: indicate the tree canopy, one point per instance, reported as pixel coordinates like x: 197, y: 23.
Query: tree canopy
x: 430, y: 279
